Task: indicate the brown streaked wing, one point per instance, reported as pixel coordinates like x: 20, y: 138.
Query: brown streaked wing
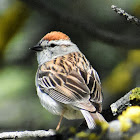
x: 94, y: 85
x: 63, y: 88
x: 79, y: 85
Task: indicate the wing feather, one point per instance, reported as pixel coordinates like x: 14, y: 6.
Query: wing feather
x: 74, y: 82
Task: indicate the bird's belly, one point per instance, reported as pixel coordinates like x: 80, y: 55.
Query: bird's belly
x: 57, y: 108
x: 49, y: 104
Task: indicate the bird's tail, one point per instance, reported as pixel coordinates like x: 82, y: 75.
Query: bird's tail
x: 91, y: 118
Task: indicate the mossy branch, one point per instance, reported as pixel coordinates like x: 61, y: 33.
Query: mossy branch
x: 129, y: 99
x: 127, y: 124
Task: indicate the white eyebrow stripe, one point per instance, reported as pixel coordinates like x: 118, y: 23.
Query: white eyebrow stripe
x: 61, y: 42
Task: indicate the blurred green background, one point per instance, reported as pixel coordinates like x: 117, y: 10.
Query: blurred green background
x: 109, y: 42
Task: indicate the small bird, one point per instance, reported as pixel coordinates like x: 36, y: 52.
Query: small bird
x: 66, y: 83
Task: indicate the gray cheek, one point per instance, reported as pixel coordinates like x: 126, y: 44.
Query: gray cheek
x: 64, y: 49
x: 49, y: 53
x: 56, y: 50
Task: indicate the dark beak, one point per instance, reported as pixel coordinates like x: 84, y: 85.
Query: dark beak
x: 37, y: 48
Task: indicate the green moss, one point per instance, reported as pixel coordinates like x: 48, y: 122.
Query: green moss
x: 82, y: 134
x: 103, y: 125
x: 136, y: 136
x: 93, y: 136
x: 72, y: 130
x: 88, y: 136
x: 70, y: 139
x: 125, y: 123
x: 132, y: 114
x: 135, y: 94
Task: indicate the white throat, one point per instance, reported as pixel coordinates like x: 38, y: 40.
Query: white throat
x: 50, y: 53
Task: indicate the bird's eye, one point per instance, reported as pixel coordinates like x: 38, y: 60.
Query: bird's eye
x: 52, y: 45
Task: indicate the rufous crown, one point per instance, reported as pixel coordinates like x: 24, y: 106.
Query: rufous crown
x: 55, y: 35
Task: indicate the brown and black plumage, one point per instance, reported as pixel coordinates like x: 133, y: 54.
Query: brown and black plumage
x: 70, y: 82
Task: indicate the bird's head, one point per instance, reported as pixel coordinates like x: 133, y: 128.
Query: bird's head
x: 52, y: 45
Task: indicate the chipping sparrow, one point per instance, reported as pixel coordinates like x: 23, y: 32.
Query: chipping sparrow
x: 66, y: 83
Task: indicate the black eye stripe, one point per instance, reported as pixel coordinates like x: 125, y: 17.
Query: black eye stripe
x: 52, y: 45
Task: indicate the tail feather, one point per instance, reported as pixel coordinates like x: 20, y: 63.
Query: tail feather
x: 91, y: 118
